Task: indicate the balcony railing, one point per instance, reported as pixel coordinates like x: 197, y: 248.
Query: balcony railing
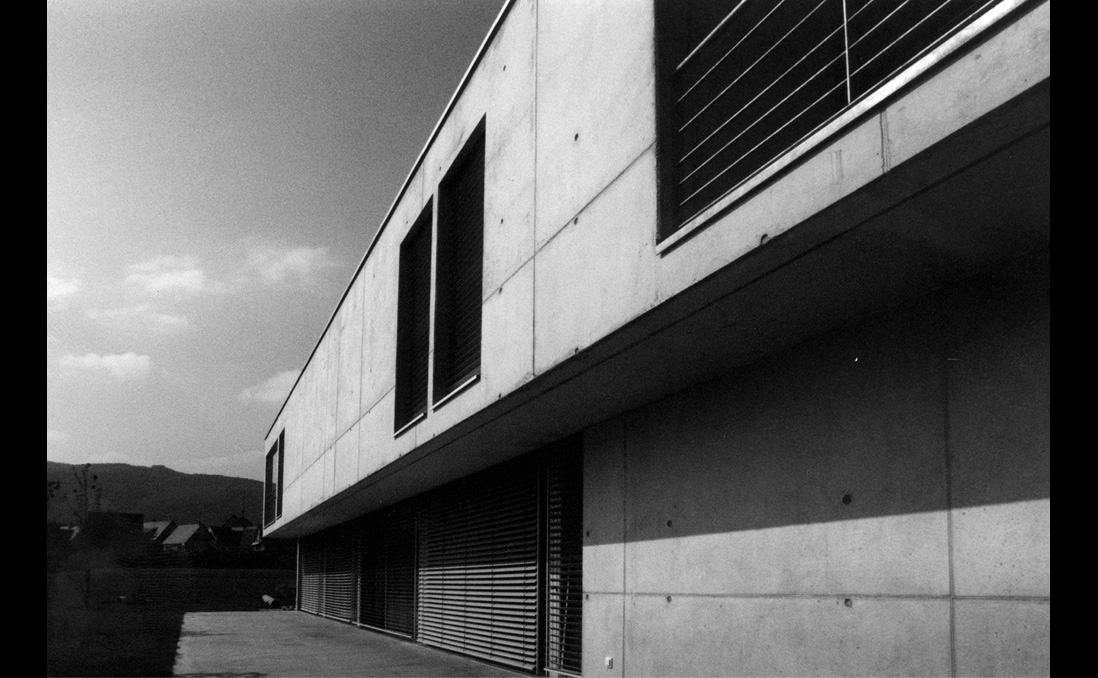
x: 768, y: 74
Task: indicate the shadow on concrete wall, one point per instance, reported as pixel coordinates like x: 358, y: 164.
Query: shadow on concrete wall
x: 940, y: 404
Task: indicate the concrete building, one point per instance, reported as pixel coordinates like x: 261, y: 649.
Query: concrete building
x: 701, y: 340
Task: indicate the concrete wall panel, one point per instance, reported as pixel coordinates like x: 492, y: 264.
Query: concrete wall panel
x: 819, y: 470
x: 598, y: 273
x: 596, y: 102
x: 327, y: 461
x: 312, y: 486
x: 460, y: 124
x: 706, y: 636
x: 377, y: 447
x: 379, y: 310
x: 510, y: 67
x: 508, y: 334
x: 1003, y: 638
x: 996, y: 70
x: 1000, y: 413
x: 509, y: 204
x: 1003, y: 550
x: 828, y: 174
x: 296, y: 437
x: 345, y: 465
x: 314, y: 415
x: 603, y: 619
x: 604, y: 504
x: 874, y: 556
x: 350, y: 359
x: 291, y: 501
x: 329, y: 394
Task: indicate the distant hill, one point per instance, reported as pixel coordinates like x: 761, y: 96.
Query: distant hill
x: 161, y: 493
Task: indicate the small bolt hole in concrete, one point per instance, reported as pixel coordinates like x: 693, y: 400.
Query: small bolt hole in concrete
x: 669, y: 523
x: 848, y: 602
x: 847, y: 498
x: 764, y: 239
x: 577, y: 137
x: 669, y: 599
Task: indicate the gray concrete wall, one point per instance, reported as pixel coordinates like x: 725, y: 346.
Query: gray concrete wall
x: 872, y: 502
x: 566, y: 90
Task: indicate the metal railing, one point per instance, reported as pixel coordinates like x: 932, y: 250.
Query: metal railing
x: 769, y: 73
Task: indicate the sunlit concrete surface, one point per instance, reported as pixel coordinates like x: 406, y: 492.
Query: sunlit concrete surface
x: 279, y: 643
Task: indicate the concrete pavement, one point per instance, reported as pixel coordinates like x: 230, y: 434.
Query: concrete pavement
x: 283, y: 643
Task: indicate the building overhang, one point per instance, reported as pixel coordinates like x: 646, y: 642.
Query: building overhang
x: 973, y: 200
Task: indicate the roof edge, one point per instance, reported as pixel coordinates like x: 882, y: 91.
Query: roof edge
x: 503, y: 12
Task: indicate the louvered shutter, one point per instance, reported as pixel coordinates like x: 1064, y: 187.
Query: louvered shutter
x: 269, y: 487
x: 338, y: 600
x: 413, y: 321
x: 387, y: 575
x: 281, y: 472
x: 478, y: 567
x: 460, y: 261
x: 564, y: 560
x: 312, y: 573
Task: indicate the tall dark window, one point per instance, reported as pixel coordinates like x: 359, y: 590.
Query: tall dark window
x: 743, y: 81
x: 413, y: 321
x: 272, y: 486
x: 460, y: 265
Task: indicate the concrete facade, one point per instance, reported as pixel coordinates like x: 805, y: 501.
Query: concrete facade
x: 815, y: 423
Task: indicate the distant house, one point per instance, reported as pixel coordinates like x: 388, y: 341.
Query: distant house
x: 191, y: 538
x: 232, y: 533
x: 250, y: 537
x: 236, y: 522
x: 157, y: 531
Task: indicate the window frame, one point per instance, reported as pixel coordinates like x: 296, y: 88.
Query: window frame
x: 412, y: 349
x: 272, y: 483
x: 926, y: 61
x: 449, y: 298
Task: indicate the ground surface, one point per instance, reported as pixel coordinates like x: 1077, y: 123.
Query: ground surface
x: 116, y: 640
x: 284, y: 643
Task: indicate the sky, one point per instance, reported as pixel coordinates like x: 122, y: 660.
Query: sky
x: 214, y: 174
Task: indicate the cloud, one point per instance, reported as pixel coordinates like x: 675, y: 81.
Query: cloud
x: 58, y: 288
x: 274, y: 390
x: 168, y: 275
x: 141, y: 313
x: 282, y: 266
x: 123, y: 366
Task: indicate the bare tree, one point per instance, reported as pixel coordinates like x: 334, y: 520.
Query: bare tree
x: 86, y: 494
